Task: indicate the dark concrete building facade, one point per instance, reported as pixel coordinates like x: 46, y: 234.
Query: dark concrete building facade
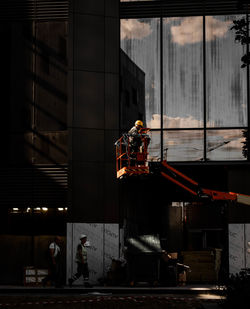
x: 61, y: 115
x: 93, y: 109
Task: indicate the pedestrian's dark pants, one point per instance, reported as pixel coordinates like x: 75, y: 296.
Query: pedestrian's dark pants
x: 82, y: 270
x: 55, y: 274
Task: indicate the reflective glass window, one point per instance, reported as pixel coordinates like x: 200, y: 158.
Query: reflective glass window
x: 183, y: 72
x: 226, y: 83
x: 188, y: 64
x: 140, y: 41
x: 183, y: 145
x: 154, y: 149
x: 225, y: 145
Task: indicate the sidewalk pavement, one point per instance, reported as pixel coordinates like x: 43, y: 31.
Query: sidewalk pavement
x: 76, y: 289
x: 184, y: 297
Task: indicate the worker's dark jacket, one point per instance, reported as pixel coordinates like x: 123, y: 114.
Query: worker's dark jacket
x: 134, y: 138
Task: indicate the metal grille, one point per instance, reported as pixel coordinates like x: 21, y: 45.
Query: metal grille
x: 173, y: 8
x: 15, y: 10
x: 34, y: 187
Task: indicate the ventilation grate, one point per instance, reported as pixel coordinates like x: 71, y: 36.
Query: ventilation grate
x: 36, y: 186
x: 171, y: 8
x: 15, y: 10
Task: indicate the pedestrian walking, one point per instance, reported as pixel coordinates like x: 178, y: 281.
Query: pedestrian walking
x: 54, y: 264
x: 82, y: 262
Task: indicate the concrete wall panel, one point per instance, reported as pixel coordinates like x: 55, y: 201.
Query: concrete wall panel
x: 112, y: 8
x: 238, y: 179
x: 70, y: 102
x: 20, y: 148
x: 88, y: 100
x: 89, y: 43
x: 50, y: 77
x: 88, y: 145
x: 112, y: 40
x: 50, y: 147
x: 93, y: 115
x: 111, y: 101
x: 88, y: 191
x: 110, y: 137
x: 111, y: 189
x: 93, y: 7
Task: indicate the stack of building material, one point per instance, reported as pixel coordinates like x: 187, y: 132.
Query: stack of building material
x: 34, y: 276
x: 205, y: 265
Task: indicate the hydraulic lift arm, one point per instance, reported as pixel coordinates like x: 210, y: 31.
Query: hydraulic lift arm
x: 135, y: 163
x: 193, y: 187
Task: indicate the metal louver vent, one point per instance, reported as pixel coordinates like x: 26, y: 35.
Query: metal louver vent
x: 15, y: 10
x: 34, y: 187
x: 182, y: 8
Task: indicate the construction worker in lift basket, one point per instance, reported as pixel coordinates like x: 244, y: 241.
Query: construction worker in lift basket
x: 135, y: 136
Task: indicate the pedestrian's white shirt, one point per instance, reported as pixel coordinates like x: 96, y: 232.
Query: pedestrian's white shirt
x: 56, y: 248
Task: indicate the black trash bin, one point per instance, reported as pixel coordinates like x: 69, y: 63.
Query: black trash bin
x: 143, y: 259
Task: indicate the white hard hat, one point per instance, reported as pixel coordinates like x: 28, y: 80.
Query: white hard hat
x: 83, y: 236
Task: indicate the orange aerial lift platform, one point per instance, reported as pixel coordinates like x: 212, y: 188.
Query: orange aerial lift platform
x: 132, y: 161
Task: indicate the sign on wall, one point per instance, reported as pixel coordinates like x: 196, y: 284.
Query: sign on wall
x: 104, y: 246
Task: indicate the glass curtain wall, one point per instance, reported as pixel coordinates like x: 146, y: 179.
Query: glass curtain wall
x: 183, y: 88
x: 226, y: 90
x: 195, y: 88
x: 140, y: 40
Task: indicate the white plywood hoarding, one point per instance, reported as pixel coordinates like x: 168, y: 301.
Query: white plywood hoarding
x: 247, y: 245
x: 111, y: 239
x: 104, y: 245
x: 239, y: 247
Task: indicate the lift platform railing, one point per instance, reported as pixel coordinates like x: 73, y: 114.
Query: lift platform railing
x: 131, y: 159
